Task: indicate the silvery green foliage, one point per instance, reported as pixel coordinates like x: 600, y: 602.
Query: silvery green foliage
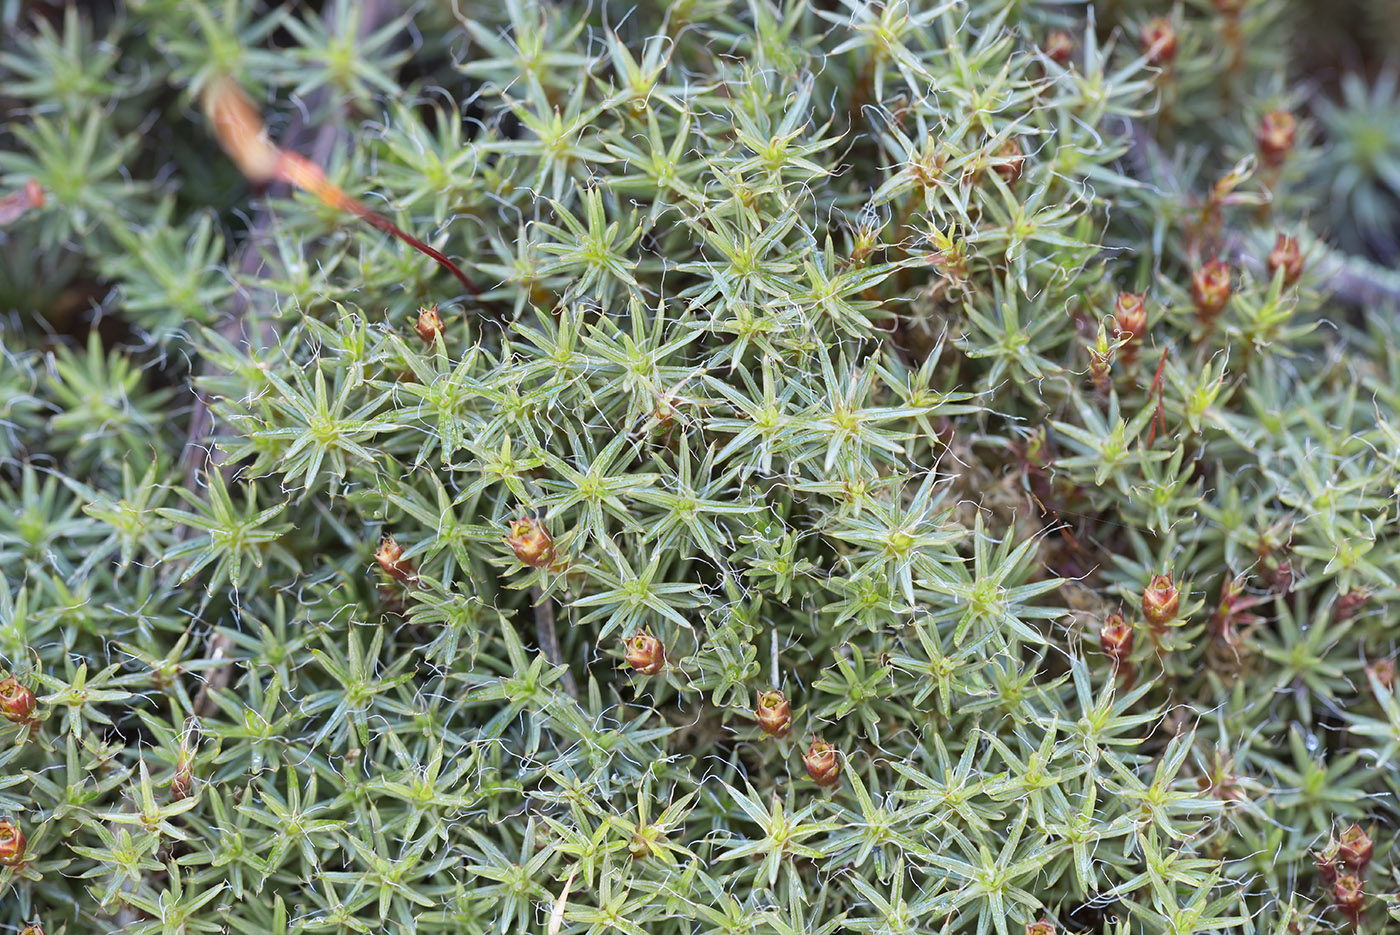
x: 796, y: 333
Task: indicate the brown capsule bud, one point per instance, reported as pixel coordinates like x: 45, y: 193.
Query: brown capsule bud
x: 530, y: 542
x: 182, y: 786
x: 1350, y: 604
x: 1160, y: 601
x: 33, y: 928
x: 429, y: 324
x: 1327, y: 863
x: 1009, y: 161
x: 665, y: 414
x: 11, y: 843
x: 1210, y: 289
x: 822, y: 764
x: 1059, y: 47
x: 1278, y: 131
x: 1158, y: 39
x: 389, y: 555
x: 1383, y: 672
x: 1286, y: 256
x: 774, y: 713
x: 1348, y: 895
x: 1354, y: 849
x: 1129, y: 322
x: 1116, y: 639
x: 645, y: 654
x: 1235, y: 610
x: 1043, y: 927
x: 16, y: 701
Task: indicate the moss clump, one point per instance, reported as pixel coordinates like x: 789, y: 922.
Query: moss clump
x: 888, y: 468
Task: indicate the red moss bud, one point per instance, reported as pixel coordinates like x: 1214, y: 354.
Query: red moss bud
x: 1350, y: 604
x: 33, y: 928
x: 1354, y: 849
x: 1327, y: 864
x: 1158, y: 39
x: 1160, y: 601
x: 16, y: 701
x: 1383, y: 672
x: 1286, y: 256
x: 1009, y: 161
x: 1278, y: 132
x: 1348, y: 895
x: 1059, y: 47
x: 429, y: 324
x: 389, y: 555
x: 182, y: 786
x: 822, y: 764
x: 530, y: 542
x: 774, y: 713
x: 645, y: 654
x: 1210, y: 289
x: 11, y: 843
x: 1043, y: 927
x: 1130, y: 322
x: 1116, y: 639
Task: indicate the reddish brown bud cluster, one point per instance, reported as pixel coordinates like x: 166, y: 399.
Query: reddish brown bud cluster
x: 645, y: 654
x: 16, y: 701
x: 1059, y: 47
x: 1160, y: 601
x: 389, y: 555
x: 11, y: 843
x: 1278, y: 131
x: 1342, y: 866
x: 1130, y: 322
x: 1158, y: 39
x: 773, y: 713
x: 822, y: 764
x: 1210, y: 289
x: 531, y: 542
x: 1116, y: 640
x: 1009, y: 161
x: 33, y: 928
x: 429, y: 324
x: 1286, y: 256
x: 1043, y: 927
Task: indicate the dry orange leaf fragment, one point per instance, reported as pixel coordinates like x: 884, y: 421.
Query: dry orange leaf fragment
x: 16, y: 203
x: 241, y: 132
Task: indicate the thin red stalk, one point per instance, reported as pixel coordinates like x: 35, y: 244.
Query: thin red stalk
x: 382, y: 223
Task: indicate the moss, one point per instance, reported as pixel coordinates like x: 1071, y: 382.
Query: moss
x: 1007, y: 414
